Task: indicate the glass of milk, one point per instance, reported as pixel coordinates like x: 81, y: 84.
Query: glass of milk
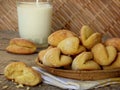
x: 34, y: 20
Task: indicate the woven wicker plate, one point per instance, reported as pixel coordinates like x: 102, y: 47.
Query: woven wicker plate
x: 81, y: 75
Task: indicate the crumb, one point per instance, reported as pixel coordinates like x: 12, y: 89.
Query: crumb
x: 4, y: 87
x: 15, y: 83
x: 19, y: 86
x: 40, y: 86
x: 28, y: 88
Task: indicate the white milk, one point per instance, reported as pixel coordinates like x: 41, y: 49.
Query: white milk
x: 34, y: 21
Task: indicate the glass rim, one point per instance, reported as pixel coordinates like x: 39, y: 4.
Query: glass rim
x: 34, y: 2
x: 21, y: 2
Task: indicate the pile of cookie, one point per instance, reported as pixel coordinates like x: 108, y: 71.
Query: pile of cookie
x: 84, y: 52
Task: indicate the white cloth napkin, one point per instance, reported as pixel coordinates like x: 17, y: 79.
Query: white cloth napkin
x: 71, y: 84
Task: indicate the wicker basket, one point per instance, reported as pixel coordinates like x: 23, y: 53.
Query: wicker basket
x: 101, y: 15
x: 81, y: 75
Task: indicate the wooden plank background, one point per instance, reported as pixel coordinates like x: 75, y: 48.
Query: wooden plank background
x: 101, y: 15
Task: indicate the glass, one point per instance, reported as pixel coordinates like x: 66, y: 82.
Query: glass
x: 34, y: 20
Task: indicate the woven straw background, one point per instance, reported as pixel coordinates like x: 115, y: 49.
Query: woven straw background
x: 101, y: 15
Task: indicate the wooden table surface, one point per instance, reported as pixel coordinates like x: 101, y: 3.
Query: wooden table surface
x: 6, y: 58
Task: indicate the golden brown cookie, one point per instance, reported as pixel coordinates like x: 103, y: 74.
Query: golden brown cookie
x: 71, y: 46
x: 113, y: 42
x: 42, y: 53
x: 21, y: 46
x: 115, y: 64
x: 89, y: 38
x: 53, y: 58
x: 104, y: 55
x: 22, y: 74
x: 58, y: 36
x: 84, y: 61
